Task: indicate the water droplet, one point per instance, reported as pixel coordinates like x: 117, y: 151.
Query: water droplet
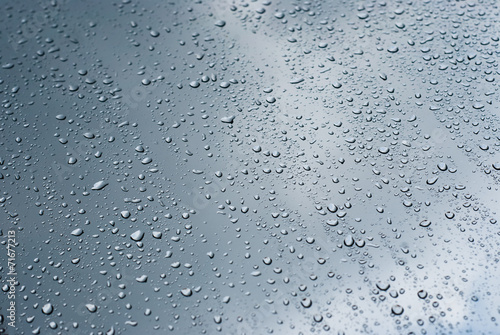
x: 194, y: 84
x: 383, y: 150
x: 99, y: 185
x: 142, y: 279
x: 137, y: 235
x: 442, y: 166
x: 349, y: 241
x: 228, y: 119
x: 220, y: 23
x: 306, y: 302
x: 187, y: 292
x: 422, y: 294
x: 383, y: 286
x: 332, y: 208
x: 393, y: 49
x: 397, y: 310
x: 425, y: 223
x: 91, y: 308
x: 77, y: 232
x: 296, y: 80
x: 47, y: 309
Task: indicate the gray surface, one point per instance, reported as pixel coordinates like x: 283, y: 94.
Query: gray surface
x: 418, y: 101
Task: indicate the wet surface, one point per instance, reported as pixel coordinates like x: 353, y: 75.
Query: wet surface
x: 282, y: 167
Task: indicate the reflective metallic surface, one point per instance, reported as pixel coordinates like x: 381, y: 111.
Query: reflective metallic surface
x: 250, y: 167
